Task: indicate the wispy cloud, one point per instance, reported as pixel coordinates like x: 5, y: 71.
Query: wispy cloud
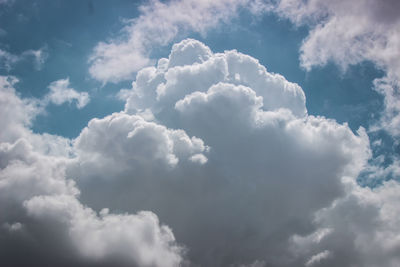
x: 9, y: 60
x: 159, y: 24
x: 348, y: 33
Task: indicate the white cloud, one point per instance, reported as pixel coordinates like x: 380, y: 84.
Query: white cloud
x: 159, y: 88
x: 374, y: 35
x: 350, y: 32
x: 120, y: 142
x: 16, y: 113
x: 159, y: 24
x: 60, y: 93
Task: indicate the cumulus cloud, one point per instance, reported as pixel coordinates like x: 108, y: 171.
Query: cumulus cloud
x: 121, y: 142
x: 159, y: 88
x: 41, y: 216
x: 226, y: 155
x: 272, y: 173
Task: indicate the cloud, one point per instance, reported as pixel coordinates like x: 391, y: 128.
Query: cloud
x: 119, y: 58
x: 16, y: 113
x: 318, y: 258
x: 363, y: 228
x: 349, y: 33
x: 9, y: 60
x: 42, y: 217
x: 210, y: 144
x: 127, y: 239
x: 160, y: 88
x: 122, y: 142
x: 60, y: 93
x: 270, y: 169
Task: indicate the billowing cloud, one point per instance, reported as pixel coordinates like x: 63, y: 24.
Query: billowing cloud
x: 272, y: 173
x: 60, y: 93
x: 41, y: 216
x: 226, y: 155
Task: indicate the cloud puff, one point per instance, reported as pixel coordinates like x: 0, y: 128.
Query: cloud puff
x: 60, y: 93
x: 160, y: 88
x: 122, y: 142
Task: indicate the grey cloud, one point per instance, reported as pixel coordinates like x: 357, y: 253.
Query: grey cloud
x: 270, y: 166
x: 41, y: 216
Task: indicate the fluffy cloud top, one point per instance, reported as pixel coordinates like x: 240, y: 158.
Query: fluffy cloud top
x: 191, y: 67
x: 344, y: 32
x: 119, y: 59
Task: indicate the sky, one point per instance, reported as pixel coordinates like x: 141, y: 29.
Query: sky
x: 241, y: 133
